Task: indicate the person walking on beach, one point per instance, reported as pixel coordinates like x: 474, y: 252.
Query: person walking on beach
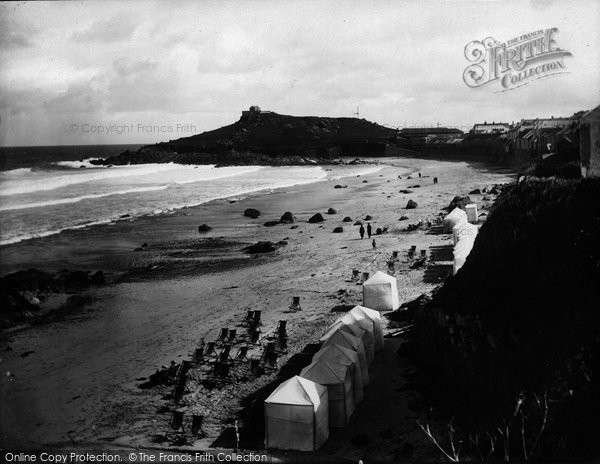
x: 361, y: 231
x: 374, y: 245
x: 369, y: 230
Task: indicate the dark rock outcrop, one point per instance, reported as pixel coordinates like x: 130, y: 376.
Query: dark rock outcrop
x: 338, y: 230
x: 411, y: 204
x: 459, y: 202
x: 98, y: 278
x: 204, y: 228
x: 316, y: 218
x: 267, y: 138
x: 263, y: 247
x: 287, y: 218
x: 331, y: 211
x: 347, y: 219
x: 271, y: 223
x: 252, y: 213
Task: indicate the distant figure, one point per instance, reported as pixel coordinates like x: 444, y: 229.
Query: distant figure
x: 435, y: 180
x: 362, y: 232
x: 374, y: 245
x: 419, y: 174
x: 369, y: 230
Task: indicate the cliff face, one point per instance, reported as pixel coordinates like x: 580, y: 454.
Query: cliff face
x: 522, y: 314
x: 269, y: 138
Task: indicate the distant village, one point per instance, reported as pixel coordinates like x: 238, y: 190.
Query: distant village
x: 517, y: 144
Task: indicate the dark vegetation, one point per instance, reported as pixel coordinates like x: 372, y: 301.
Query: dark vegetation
x: 22, y: 293
x: 510, y: 346
x: 268, y: 139
x: 563, y: 164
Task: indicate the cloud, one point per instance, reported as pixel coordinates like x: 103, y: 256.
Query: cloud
x: 15, y: 34
x: 115, y: 29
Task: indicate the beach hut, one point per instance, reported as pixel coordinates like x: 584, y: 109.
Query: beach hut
x: 380, y: 292
x: 461, y: 250
x: 346, y: 357
x: 375, y: 316
x: 338, y: 379
x: 297, y: 415
x: 455, y: 217
x: 463, y: 230
x: 365, y: 326
x: 335, y: 336
x: 471, y: 210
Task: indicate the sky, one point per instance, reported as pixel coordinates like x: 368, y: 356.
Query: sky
x: 143, y: 72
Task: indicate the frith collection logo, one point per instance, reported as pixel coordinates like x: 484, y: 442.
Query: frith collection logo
x: 516, y: 62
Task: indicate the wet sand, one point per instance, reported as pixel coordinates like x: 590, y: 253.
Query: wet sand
x: 79, y: 383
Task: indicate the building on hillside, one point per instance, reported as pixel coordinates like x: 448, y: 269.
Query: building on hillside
x: 535, y: 138
x: 254, y: 110
x: 589, y: 143
x: 491, y: 128
x: 420, y: 135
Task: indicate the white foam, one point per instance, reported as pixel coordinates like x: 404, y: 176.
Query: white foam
x: 13, y: 183
x: 66, y: 201
x: 357, y: 171
x: 265, y: 180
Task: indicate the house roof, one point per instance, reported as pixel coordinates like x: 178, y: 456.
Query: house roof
x: 298, y: 391
x: 429, y: 130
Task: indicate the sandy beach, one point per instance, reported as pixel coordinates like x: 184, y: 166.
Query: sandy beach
x: 76, y: 380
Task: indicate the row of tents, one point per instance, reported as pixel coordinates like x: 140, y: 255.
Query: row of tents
x: 301, y: 410
x: 463, y: 233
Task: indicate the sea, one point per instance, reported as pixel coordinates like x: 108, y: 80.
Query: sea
x: 47, y: 190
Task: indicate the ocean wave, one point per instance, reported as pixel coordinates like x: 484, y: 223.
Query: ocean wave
x: 77, y: 164
x: 309, y: 175
x: 44, y: 180
x: 65, y: 201
x: 358, y: 171
x: 48, y: 233
x: 12, y: 183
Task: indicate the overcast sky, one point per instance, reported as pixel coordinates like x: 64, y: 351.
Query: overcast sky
x: 201, y: 63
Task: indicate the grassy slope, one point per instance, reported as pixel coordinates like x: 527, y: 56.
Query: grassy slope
x: 522, y: 314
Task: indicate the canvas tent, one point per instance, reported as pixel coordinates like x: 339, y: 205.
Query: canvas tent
x: 335, y: 336
x: 338, y: 379
x: 455, y: 217
x: 346, y: 357
x: 471, y: 210
x: 380, y: 292
x: 366, y: 331
x: 461, y: 250
x: 297, y: 415
x: 462, y: 230
x: 374, y: 316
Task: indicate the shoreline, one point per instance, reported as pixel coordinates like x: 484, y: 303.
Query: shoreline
x: 11, y: 254
x: 135, y: 326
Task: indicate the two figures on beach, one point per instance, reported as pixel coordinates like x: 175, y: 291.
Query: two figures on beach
x: 361, y: 231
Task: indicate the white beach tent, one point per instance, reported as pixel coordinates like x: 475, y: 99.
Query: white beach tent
x: 471, y: 210
x: 455, y: 217
x: 335, y: 336
x: 366, y: 327
x: 461, y: 250
x: 338, y: 379
x: 462, y: 230
x: 375, y: 316
x: 346, y: 357
x: 297, y: 415
x: 380, y: 292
